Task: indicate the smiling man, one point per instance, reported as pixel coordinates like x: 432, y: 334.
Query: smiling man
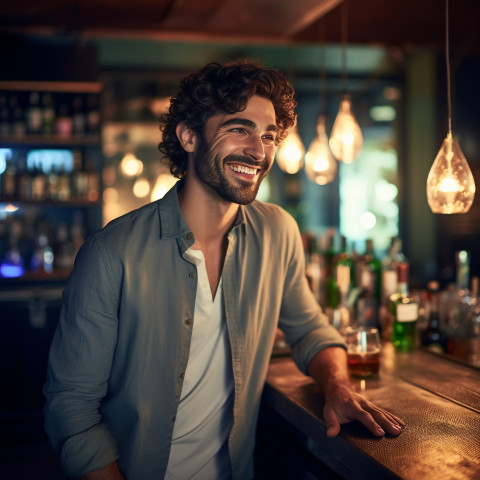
x: 158, y: 362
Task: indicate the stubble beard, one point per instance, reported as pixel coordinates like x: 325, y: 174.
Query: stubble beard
x: 210, y: 169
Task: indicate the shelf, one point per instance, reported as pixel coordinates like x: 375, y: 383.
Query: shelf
x: 51, y: 203
x: 66, y: 87
x: 30, y: 280
x: 51, y: 140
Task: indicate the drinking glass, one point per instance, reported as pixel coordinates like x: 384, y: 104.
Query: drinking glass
x: 363, y: 350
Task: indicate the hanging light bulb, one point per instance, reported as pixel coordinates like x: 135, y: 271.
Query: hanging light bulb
x: 320, y: 166
x: 450, y: 183
x: 346, y: 138
x: 291, y: 151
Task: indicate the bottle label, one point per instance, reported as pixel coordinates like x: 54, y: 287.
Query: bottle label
x: 407, y: 312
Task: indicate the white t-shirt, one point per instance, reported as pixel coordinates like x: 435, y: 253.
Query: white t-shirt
x: 205, y: 414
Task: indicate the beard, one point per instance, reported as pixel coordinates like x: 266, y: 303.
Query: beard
x: 211, y: 170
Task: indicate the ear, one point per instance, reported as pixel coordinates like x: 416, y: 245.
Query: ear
x: 186, y: 136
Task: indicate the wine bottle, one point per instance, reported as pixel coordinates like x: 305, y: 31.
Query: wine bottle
x: 405, y: 312
x: 329, y: 255
x: 374, y: 265
x: 433, y: 337
x: 366, y: 304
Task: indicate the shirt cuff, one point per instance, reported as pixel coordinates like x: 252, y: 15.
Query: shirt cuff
x: 92, y: 449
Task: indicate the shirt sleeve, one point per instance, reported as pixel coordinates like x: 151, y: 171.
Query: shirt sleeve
x: 306, y: 327
x: 79, y: 367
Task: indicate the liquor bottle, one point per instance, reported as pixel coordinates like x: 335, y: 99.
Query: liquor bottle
x: 341, y: 316
x: 34, y: 114
x: 4, y: 114
x: 471, y: 339
x: 366, y: 303
x: 63, y: 122
x: 48, y: 114
x: 433, y: 337
x: 312, y: 264
x: 42, y: 259
x: 93, y: 115
x: 64, y: 185
x: 343, y: 258
x: 389, y: 285
x: 93, y: 182
x: 405, y: 312
x: 79, y: 177
x: 329, y: 255
x: 374, y: 265
x: 455, y: 302
x: 9, y: 188
x: 79, y: 120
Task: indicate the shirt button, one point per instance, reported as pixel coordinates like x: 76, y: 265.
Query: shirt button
x: 192, y: 275
x: 189, y: 236
x: 188, y: 321
x: 182, y: 375
x: 173, y: 419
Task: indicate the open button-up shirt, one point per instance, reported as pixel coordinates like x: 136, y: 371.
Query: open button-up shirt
x: 122, y: 343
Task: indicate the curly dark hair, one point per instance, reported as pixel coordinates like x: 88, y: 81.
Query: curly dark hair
x: 222, y: 89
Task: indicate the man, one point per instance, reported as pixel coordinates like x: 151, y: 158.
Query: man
x: 157, y: 366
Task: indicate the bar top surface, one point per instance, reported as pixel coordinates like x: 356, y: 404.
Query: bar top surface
x: 439, y: 400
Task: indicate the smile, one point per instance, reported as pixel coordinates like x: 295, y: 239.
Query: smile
x: 243, y: 169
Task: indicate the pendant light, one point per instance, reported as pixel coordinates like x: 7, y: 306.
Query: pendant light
x: 450, y: 183
x: 290, y: 154
x: 346, y: 138
x: 320, y: 166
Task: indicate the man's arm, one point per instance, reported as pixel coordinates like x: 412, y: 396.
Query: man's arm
x: 342, y: 404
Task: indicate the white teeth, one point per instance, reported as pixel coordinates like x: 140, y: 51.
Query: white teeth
x: 242, y: 169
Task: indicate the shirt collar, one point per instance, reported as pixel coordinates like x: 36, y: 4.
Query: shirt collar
x: 172, y: 222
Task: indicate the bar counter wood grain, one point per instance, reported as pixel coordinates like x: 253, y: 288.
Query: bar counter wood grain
x: 438, y: 398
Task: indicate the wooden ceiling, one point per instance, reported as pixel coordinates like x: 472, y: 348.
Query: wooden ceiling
x: 395, y: 23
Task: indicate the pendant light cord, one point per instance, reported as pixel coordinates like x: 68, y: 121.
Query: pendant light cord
x: 344, y: 44
x: 323, y: 70
x: 447, y: 49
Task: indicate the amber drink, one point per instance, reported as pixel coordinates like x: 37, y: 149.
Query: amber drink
x: 363, y: 352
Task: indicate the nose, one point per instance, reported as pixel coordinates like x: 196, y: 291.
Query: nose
x: 255, y: 148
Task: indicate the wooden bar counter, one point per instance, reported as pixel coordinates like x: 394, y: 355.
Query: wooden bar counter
x: 437, y: 397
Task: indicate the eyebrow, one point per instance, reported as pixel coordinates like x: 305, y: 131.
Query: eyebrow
x: 247, y: 123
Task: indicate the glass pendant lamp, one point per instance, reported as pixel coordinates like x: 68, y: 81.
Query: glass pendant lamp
x: 320, y: 166
x: 450, y: 183
x: 290, y: 154
x: 346, y: 138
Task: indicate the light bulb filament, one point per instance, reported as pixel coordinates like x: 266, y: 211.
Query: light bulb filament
x: 449, y: 184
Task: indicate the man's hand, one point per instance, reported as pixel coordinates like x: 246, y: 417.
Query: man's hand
x: 342, y: 403
x: 109, y: 472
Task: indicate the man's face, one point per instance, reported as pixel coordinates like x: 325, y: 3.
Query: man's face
x: 237, y: 151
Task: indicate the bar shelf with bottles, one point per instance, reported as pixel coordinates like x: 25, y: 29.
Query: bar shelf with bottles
x: 50, y: 182
x: 358, y: 289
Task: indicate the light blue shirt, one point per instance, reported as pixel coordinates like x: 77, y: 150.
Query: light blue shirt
x: 119, y: 354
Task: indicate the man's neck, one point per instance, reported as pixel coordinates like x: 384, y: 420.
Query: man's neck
x: 208, y: 216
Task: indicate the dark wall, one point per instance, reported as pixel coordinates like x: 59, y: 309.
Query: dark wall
x: 462, y: 231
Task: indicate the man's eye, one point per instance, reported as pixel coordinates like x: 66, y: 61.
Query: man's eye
x: 238, y: 130
x: 270, y: 138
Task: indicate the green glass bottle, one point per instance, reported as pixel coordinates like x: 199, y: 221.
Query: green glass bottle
x: 405, y: 312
